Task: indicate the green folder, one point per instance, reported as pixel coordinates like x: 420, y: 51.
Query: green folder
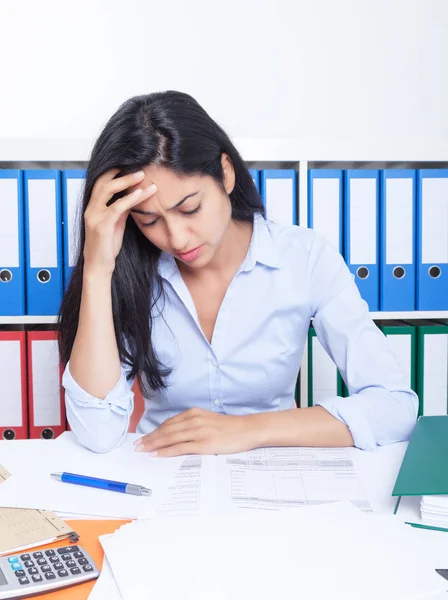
x: 424, y: 469
x: 341, y: 390
x: 438, y: 400
x: 410, y: 332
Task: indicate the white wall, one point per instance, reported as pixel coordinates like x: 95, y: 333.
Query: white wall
x: 351, y: 74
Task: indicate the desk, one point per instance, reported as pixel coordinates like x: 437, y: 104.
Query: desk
x: 376, y: 470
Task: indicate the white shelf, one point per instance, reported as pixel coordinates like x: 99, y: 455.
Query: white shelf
x: 28, y: 320
x: 377, y: 316
x: 261, y: 149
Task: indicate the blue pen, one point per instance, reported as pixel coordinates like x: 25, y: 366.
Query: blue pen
x: 103, y: 484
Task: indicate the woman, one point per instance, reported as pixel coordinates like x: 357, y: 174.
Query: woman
x: 183, y: 284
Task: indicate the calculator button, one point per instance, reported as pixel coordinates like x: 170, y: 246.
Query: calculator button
x: 28, y: 563
x: 16, y: 566
x: 88, y: 568
x: 75, y: 571
x: 70, y: 563
x: 62, y: 573
x: 58, y: 566
x: 48, y: 553
x: 46, y: 569
x: 23, y: 580
x: 13, y: 559
x: 78, y: 555
x: 33, y: 571
x: 25, y: 556
x: 41, y: 561
x: 66, y: 556
x: 83, y: 561
x: 38, y: 555
x: 37, y: 578
x: 67, y: 549
x: 54, y: 559
x: 50, y: 576
x: 20, y: 573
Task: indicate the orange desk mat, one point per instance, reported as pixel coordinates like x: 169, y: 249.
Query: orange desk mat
x: 88, y: 532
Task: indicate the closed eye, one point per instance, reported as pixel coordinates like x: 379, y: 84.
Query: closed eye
x: 184, y: 212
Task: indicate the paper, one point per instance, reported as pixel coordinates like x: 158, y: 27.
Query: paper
x: 22, y: 528
x: 285, y: 478
x: 4, y: 474
x: 318, y: 552
x: 65, y: 454
x: 105, y: 586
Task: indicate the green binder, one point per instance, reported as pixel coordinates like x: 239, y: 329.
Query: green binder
x: 432, y: 341
x: 406, y: 352
x: 340, y: 388
x: 424, y: 470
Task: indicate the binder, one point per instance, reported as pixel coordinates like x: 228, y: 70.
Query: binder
x: 279, y: 195
x: 361, y: 242
x: 432, y: 375
x: 398, y: 239
x: 12, y: 270
x: 325, y: 204
x: 432, y: 235
x: 46, y: 405
x: 423, y: 470
x: 255, y: 174
x: 324, y: 379
x: 13, y: 407
x: 72, y: 188
x: 43, y: 242
x: 402, y: 340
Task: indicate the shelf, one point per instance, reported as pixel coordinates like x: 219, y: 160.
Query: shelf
x: 377, y: 316
x: 260, y: 149
x: 27, y: 320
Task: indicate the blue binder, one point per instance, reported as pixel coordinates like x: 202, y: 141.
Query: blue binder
x: 43, y: 242
x: 12, y: 259
x: 72, y: 187
x: 255, y: 174
x: 398, y: 212
x: 432, y: 236
x: 279, y: 195
x: 361, y: 219
x: 325, y: 204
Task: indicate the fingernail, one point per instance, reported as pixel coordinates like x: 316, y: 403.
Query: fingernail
x: 139, y: 174
x: 153, y: 453
x: 139, y: 448
x: 152, y: 188
x: 137, y: 192
x: 137, y: 442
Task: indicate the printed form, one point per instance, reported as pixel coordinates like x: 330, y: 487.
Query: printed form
x: 263, y: 479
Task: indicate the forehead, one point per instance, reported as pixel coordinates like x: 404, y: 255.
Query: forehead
x: 167, y: 181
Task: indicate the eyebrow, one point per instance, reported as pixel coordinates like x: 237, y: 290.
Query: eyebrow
x: 148, y: 213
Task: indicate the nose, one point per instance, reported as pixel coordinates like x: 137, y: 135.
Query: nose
x: 178, y: 238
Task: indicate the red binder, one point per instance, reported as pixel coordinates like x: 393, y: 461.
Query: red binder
x: 13, y: 405
x: 46, y: 406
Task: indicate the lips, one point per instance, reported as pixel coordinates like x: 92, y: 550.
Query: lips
x: 190, y: 255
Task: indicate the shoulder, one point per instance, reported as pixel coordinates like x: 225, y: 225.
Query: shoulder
x: 293, y: 242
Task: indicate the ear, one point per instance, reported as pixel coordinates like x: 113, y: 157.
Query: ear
x: 229, y: 173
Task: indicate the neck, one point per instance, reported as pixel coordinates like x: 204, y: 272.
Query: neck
x: 231, y: 252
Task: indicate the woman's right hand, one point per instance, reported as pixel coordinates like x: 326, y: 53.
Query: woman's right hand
x: 105, y: 225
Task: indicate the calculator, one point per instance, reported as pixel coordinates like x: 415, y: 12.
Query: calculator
x: 24, y: 575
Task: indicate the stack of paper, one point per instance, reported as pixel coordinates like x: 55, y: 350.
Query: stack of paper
x: 332, y: 551
x: 434, y: 510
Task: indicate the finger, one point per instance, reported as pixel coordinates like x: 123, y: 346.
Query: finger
x: 125, y: 204
x: 163, y: 429
x: 168, y: 439
x: 105, y: 189
x: 187, y: 415
x: 178, y: 450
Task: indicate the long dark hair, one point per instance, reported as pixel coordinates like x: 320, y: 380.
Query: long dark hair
x: 172, y: 130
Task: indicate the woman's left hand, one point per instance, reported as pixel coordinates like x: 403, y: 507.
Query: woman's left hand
x: 199, y: 431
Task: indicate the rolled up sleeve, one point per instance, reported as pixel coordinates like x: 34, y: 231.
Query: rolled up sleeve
x: 381, y: 408
x: 98, y: 424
